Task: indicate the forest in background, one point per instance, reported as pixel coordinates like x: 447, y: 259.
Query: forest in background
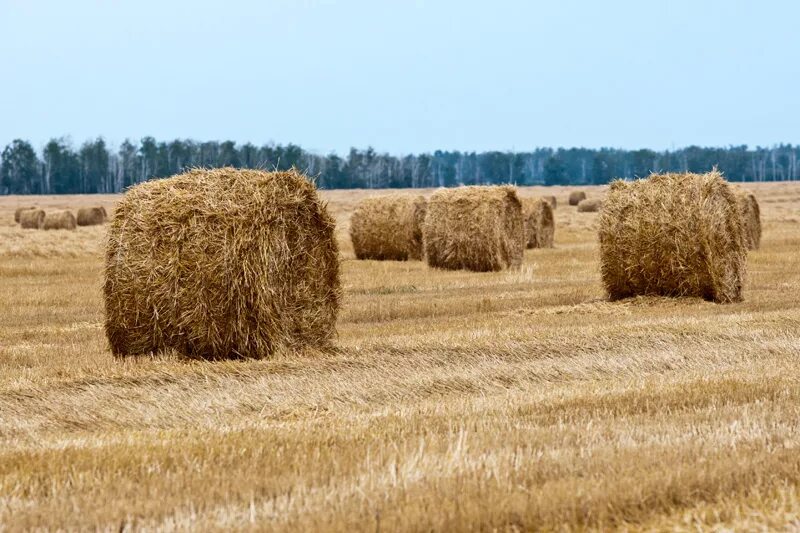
x: 95, y: 167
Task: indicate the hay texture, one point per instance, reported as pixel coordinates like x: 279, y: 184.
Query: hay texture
x: 59, y: 220
x: 92, y: 216
x: 751, y: 218
x: 388, y: 227
x: 537, y: 215
x: 476, y: 228
x: 223, y: 263
x: 18, y: 211
x: 672, y: 235
x: 592, y: 205
x: 575, y: 197
x: 31, y: 218
x: 551, y: 200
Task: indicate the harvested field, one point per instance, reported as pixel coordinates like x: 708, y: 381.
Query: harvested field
x: 511, y: 400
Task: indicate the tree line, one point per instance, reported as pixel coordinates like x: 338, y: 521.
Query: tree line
x: 94, y: 167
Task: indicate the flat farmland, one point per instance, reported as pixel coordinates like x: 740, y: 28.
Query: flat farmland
x: 515, y: 400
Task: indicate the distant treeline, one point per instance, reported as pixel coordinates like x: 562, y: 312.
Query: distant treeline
x: 61, y: 168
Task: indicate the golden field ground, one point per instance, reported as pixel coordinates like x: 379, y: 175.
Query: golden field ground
x: 454, y: 401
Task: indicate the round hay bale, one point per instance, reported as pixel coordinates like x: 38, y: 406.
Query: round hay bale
x: 31, y: 218
x: 540, y: 227
x: 20, y: 210
x: 222, y: 263
x: 590, y: 205
x: 751, y: 218
x: 59, y: 220
x: 575, y: 197
x: 388, y: 227
x: 552, y: 200
x: 92, y: 216
x: 672, y: 235
x: 476, y: 228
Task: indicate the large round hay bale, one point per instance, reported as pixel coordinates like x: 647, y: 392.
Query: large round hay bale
x: 59, y: 220
x: 223, y: 263
x: 672, y: 235
x: 31, y: 218
x: 751, y: 218
x: 590, y: 205
x: 92, y: 216
x: 475, y: 228
x: 552, y: 200
x: 388, y: 227
x: 537, y: 215
x: 575, y: 197
x: 19, y: 210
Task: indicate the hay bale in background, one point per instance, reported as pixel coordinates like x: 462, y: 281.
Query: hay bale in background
x: 592, y: 205
x: 751, y: 218
x: 31, y: 218
x: 92, y: 216
x: 672, y: 235
x: 537, y: 215
x: 475, y: 228
x: 388, y: 227
x: 221, y: 263
x: 575, y: 197
x: 20, y: 210
x: 59, y: 220
x: 552, y: 200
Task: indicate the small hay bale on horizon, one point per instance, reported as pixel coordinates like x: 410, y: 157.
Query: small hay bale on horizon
x: 221, y: 263
x: 476, y: 228
x: 751, y: 218
x: 388, y: 227
x: 673, y: 235
x: 92, y: 216
x: 590, y: 205
x: 19, y: 210
x: 575, y: 197
x: 537, y: 214
x: 55, y: 220
x: 552, y: 199
x: 32, y: 218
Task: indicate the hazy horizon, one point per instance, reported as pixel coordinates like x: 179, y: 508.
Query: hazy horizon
x: 402, y: 77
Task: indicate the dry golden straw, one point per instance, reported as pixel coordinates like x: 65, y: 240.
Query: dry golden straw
x: 92, y: 216
x: 388, y: 227
x: 575, y: 197
x: 59, y: 220
x: 592, y: 205
x: 751, y: 218
x: 20, y: 210
x: 474, y: 228
x: 222, y: 263
x: 31, y: 218
x: 552, y: 199
x: 673, y: 235
x: 537, y: 214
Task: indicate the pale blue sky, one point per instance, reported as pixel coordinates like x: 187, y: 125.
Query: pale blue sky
x: 403, y: 76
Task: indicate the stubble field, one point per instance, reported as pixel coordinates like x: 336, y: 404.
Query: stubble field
x: 453, y: 401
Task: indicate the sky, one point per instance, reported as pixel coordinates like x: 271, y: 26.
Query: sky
x: 403, y: 76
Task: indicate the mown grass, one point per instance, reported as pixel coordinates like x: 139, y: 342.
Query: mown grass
x: 453, y: 401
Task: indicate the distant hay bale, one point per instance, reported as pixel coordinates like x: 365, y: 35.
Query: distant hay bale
x: 575, y: 197
x: 222, y: 263
x: 537, y: 215
x: 31, y: 218
x: 552, y: 199
x: 20, y: 210
x: 672, y: 235
x: 92, y: 216
x: 476, y: 228
x: 59, y: 220
x: 751, y: 218
x: 388, y: 227
x: 592, y: 205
